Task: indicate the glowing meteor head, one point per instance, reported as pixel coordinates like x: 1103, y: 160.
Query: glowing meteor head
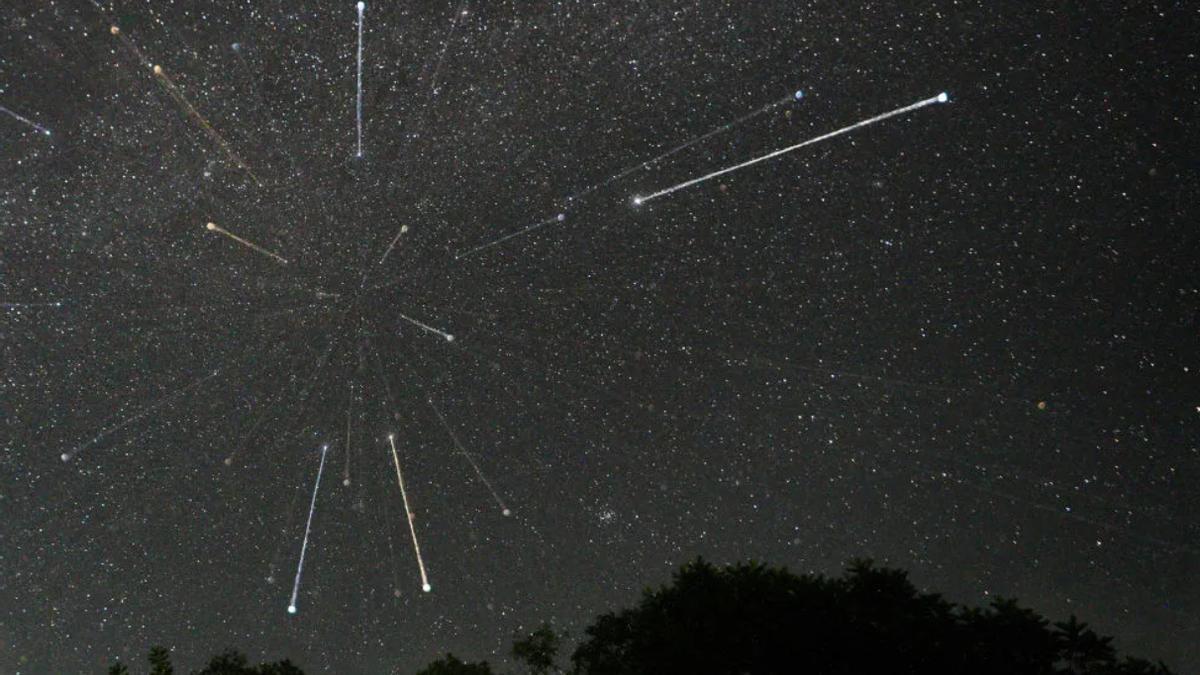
x: 507, y: 512
x: 799, y: 94
x: 391, y: 437
x: 237, y: 46
x: 403, y: 229
x: 228, y: 461
x: 562, y: 217
x: 65, y: 457
x: 291, y: 609
x: 210, y: 226
x: 637, y: 201
x: 362, y: 6
x: 346, y: 482
x: 943, y: 97
x: 157, y: 69
x: 427, y: 588
x: 114, y: 30
x: 449, y: 338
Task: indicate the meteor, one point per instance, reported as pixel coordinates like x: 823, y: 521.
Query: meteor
x: 167, y: 84
x: 940, y: 98
x: 213, y: 227
x: 307, y: 528
x: 41, y: 129
x: 412, y: 528
x: 556, y: 219
x: 431, y: 329
x: 462, y: 451
x: 361, y: 7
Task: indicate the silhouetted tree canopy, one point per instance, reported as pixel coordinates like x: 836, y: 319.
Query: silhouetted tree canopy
x: 754, y: 619
x: 228, y: 663
x: 449, y: 665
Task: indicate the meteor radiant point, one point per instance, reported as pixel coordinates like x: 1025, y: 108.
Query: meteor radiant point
x: 940, y: 98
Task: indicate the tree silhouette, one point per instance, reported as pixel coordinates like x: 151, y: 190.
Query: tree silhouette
x: 449, y: 665
x: 160, y: 661
x: 229, y: 662
x: 538, y: 650
x: 753, y: 619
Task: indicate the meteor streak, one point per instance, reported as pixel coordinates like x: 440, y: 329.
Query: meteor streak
x: 307, y: 528
x: 66, y: 456
x: 431, y: 329
x: 412, y: 528
x: 556, y: 219
x: 213, y: 227
x: 940, y: 98
x: 462, y: 451
x: 680, y: 148
x: 167, y: 84
x: 361, y: 7
x: 15, y: 116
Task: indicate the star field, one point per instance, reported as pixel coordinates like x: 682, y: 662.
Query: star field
x: 962, y: 341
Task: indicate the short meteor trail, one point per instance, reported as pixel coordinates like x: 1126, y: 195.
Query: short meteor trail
x: 431, y: 329
x: 66, y: 456
x: 396, y: 240
x: 940, y: 98
x: 412, y: 528
x: 307, y: 528
x: 462, y: 451
x: 41, y: 129
x: 213, y: 227
x: 361, y: 7
x: 556, y: 219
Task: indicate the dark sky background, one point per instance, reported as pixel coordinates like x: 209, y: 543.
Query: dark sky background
x: 962, y: 341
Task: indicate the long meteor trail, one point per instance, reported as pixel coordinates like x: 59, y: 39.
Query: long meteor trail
x: 474, y: 465
x: 213, y: 227
x: 312, y: 507
x: 684, y: 146
x: 67, y: 456
x: 540, y: 224
x: 361, y: 7
x: 940, y: 98
x: 412, y: 528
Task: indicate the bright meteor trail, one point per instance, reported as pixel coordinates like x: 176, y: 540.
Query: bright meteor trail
x: 213, y: 227
x: 412, y: 528
x: 307, y: 528
x: 361, y: 7
x: 940, y: 98
x: 41, y: 129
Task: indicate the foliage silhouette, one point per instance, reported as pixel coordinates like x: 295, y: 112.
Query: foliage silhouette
x: 229, y: 662
x: 538, y: 651
x: 449, y: 665
x: 749, y: 618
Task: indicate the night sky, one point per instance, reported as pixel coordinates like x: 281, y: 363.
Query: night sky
x: 961, y: 341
